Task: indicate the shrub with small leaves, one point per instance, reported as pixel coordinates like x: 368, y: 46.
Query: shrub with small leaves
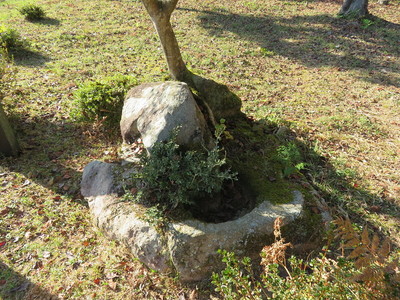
x: 10, y: 38
x: 368, y: 272
x: 32, y: 12
x: 173, y: 177
x: 320, y: 278
x: 102, y: 100
x: 237, y: 280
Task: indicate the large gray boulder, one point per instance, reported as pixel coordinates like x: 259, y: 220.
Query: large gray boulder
x: 187, y: 248
x: 152, y: 110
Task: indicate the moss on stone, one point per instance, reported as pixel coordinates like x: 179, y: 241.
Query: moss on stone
x: 221, y: 101
x: 253, y: 154
x: 307, y: 227
x: 262, y: 180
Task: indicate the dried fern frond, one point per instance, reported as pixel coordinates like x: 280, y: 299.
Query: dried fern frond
x: 277, y: 228
x: 275, y: 254
x: 371, y: 257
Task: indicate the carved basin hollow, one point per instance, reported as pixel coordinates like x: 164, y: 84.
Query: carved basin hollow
x: 186, y: 248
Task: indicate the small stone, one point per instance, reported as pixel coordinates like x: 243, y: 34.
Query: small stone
x: 26, y: 182
x: 46, y: 254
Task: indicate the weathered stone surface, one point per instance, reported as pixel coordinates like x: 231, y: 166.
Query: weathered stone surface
x: 153, y: 110
x: 193, y: 244
x: 189, y: 247
x: 98, y: 179
x: 8, y: 143
x: 119, y: 220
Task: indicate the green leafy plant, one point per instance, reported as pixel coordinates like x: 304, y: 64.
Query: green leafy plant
x: 10, y: 38
x: 320, y: 278
x: 237, y: 280
x: 32, y: 12
x: 102, y: 100
x: 173, y: 177
x: 154, y: 216
x: 130, y: 196
x: 365, y: 23
x: 367, y: 272
x: 290, y: 157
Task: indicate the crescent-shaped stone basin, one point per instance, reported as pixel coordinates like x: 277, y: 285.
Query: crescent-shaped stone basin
x: 186, y: 248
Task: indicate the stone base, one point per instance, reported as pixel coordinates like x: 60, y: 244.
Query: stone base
x: 187, y: 248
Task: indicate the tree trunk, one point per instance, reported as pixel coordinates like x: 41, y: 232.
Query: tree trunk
x: 8, y: 143
x: 160, y: 13
x: 354, y: 8
x: 216, y: 99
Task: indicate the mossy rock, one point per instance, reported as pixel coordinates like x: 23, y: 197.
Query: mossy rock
x: 189, y: 247
x: 252, y: 153
x: 223, y: 103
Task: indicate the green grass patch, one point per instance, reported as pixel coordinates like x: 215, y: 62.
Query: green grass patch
x: 334, y: 84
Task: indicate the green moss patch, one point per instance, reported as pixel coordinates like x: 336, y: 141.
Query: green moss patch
x: 252, y: 150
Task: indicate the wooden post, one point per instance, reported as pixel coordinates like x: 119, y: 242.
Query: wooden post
x: 8, y: 143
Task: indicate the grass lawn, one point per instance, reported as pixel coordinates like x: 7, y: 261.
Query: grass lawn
x: 334, y: 83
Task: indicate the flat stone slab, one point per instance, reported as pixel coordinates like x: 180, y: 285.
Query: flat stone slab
x: 187, y: 248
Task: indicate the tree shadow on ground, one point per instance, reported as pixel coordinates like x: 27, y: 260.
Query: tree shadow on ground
x: 318, y: 41
x: 332, y: 185
x: 336, y: 188
x: 48, y: 21
x: 48, y: 146
x: 35, y: 187
x: 28, y: 58
x: 14, y: 286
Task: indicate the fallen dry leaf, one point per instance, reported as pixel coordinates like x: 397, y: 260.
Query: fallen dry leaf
x: 112, y: 285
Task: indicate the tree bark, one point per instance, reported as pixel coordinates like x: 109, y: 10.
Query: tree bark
x: 216, y: 99
x: 8, y: 143
x: 160, y: 14
x: 354, y: 8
